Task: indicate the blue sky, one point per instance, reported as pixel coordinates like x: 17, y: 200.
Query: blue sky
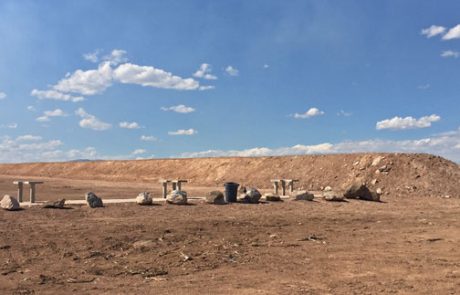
x: 142, y: 79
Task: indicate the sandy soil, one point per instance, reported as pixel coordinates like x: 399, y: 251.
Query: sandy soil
x: 407, y: 244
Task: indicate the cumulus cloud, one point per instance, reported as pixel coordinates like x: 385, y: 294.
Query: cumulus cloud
x: 399, y: 123
x: 312, y: 112
x: 91, y: 122
x: 183, y: 109
x: 450, y: 53
x: 116, y: 57
x: 204, y: 72
x: 148, y: 138
x: 88, y: 82
x: 183, y: 132
x: 54, y: 113
x: 139, y: 152
x: 453, y: 33
x: 232, y: 71
x: 433, y: 31
x: 129, y: 125
x: 152, y: 77
x: 2, y: 95
x: 92, y: 56
x: 55, y: 95
x: 28, y: 137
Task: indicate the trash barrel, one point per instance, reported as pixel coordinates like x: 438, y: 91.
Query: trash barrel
x: 231, y: 191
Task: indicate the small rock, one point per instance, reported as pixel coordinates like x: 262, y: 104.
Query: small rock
x: 374, y: 181
x: 177, y: 198
x: 447, y: 196
x: 385, y: 169
x: 379, y: 191
x: 93, y: 200
x: 377, y: 160
x: 144, y: 199
x: 272, y: 198
x: 327, y: 189
x: 55, y: 205
x: 333, y: 197
x: 252, y: 196
x: 302, y: 196
x: 215, y: 197
x: 9, y: 203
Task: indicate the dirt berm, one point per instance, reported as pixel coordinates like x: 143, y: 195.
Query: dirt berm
x: 401, y: 174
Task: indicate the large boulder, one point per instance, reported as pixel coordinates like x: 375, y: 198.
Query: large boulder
x: 93, y: 200
x: 361, y: 192
x: 144, y: 198
x: 252, y: 196
x: 215, y: 197
x: 333, y: 196
x: 59, y: 204
x: 272, y: 198
x: 9, y: 203
x: 177, y: 198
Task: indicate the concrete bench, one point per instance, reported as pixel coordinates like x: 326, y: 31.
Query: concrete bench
x: 289, y: 183
x: 176, y: 185
x: 32, y: 184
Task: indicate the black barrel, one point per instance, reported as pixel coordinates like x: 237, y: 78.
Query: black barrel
x: 231, y: 191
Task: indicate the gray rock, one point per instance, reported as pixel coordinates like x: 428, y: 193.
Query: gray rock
x: 333, y: 196
x: 302, y: 196
x: 216, y: 197
x: 252, y: 196
x: 177, y: 198
x: 360, y: 191
x: 9, y: 203
x: 327, y: 189
x: 93, y: 200
x: 272, y: 198
x: 55, y: 204
x: 144, y: 198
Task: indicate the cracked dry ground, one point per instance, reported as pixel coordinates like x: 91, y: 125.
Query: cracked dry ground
x: 406, y: 245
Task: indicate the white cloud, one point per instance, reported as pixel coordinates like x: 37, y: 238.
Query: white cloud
x: 92, y: 56
x: 433, y: 31
x: 206, y: 87
x: 129, y: 125
x: 2, y: 95
x: 445, y: 144
x: 91, y: 122
x: 152, y: 77
x: 28, y: 137
x: 183, y: 132
x: 204, y: 72
x: 344, y: 114
x: 116, y: 57
x: 148, y: 138
x: 232, y: 71
x: 47, y: 114
x: 55, y: 95
x: 312, y: 112
x: 31, y: 108
x: 266, y: 66
x: 398, y: 123
x: 450, y: 53
x: 183, y: 109
x: 453, y: 33
x: 424, y: 86
x: 43, y: 119
x: 9, y: 125
x: 139, y: 152
x: 89, y: 82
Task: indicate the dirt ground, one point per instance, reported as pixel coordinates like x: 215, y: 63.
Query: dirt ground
x: 403, y: 245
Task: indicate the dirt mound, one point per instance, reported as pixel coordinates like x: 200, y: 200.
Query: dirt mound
x: 401, y: 174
